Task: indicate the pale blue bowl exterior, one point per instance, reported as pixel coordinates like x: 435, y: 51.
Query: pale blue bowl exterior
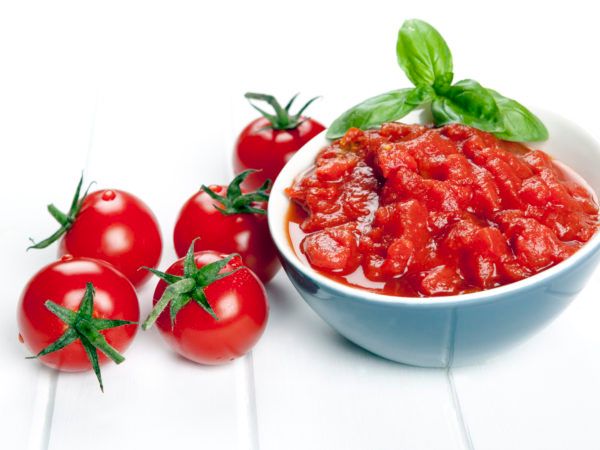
x: 443, y: 335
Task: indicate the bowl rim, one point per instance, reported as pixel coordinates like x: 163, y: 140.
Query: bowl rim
x: 276, y: 220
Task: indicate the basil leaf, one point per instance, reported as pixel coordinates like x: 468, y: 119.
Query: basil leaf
x: 520, y: 124
x: 469, y: 103
x: 376, y: 110
x: 424, y: 55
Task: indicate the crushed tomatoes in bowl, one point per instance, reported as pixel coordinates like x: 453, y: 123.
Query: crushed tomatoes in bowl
x: 410, y: 210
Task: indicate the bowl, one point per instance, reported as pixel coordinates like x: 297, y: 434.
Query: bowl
x: 452, y: 330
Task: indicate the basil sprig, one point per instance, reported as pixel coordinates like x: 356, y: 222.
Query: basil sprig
x: 426, y: 59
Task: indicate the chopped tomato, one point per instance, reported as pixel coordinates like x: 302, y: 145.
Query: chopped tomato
x: 437, y: 211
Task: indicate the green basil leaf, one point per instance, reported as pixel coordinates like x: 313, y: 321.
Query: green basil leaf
x: 423, y: 54
x: 469, y: 103
x: 376, y: 110
x: 520, y: 124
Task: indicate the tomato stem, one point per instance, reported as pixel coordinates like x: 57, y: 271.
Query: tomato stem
x: 83, y: 326
x: 60, y: 216
x: 65, y: 220
x: 189, y: 287
x: 282, y: 119
x: 86, y: 328
x: 236, y: 202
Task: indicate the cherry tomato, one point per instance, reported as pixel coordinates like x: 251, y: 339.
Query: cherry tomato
x: 237, y: 300
x: 228, y: 220
x: 65, y: 283
x: 268, y: 142
x: 114, y: 226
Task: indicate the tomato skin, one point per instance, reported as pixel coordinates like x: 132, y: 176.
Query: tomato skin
x: 116, y: 227
x: 239, y: 301
x: 64, y: 283
x: 245, y: 234
x: 261, y: 147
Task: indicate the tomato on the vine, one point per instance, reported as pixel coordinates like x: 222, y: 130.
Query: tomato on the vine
x: 268, y: 142
x: 77, y: 313
x: 209, y: 307
x: 111, y: 225
x: 228, y: 219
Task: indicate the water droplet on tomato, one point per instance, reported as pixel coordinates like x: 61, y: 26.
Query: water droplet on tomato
x: 108, y: 195
x: 67, y: 257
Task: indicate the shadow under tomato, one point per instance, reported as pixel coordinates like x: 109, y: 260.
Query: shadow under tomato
x: 279, y: 296
x: 182, y: 360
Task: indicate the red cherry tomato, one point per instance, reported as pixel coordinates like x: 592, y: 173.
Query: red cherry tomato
x: 64, y: 283
x: 111, y: 225
x: 267, y: 149
x: 239, y: 302
x: 119, y: 228
x: 245, y: 233
x: 268, y: 143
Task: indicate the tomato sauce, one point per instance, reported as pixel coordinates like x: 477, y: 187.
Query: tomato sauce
x: 409, y: 210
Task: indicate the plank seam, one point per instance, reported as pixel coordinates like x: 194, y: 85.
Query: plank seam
x: 251, y: 410
x: 458, y: 412
x: 49, y: 411
x: 463, y: 428
x: 47, y: 430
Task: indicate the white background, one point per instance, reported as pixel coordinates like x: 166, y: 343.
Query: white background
x: 147, y: 97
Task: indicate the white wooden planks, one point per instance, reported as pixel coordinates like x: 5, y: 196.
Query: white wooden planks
x: 316, y: 390
x: 545, y: 394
